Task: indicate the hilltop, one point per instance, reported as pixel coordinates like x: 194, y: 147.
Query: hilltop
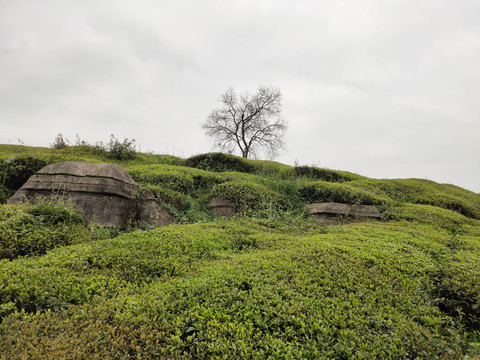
x: 268, y: 282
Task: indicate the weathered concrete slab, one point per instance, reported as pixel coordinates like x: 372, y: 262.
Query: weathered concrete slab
x: 82, y: 169
x: 222, y: 207
x: 325, y: 219
x: 331, y: 213
x: 69, y: 183
x: 152, y: 212
x: 365, y: 210
x: 328, y: 208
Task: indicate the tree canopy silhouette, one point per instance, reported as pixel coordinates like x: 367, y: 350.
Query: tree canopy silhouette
x: 249, y: 123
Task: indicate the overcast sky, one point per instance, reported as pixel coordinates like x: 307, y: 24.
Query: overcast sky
x: 383, y: 88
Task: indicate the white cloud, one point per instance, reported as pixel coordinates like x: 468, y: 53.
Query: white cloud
x: 387, y: 89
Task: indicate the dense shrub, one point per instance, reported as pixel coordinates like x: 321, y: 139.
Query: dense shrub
x: 322, y: 191
x: 73, y: 275
x: 248, y: 287
x: 83, y: 332
x: 362, y: 291
x: 168, y: 196
x: 60, y: 142
x: 178, y: 178
x: 5, y: 194
x: 115, y: 149
x: 449, y: 202
x: 219, y: 162
x: 30, y: 288
x: 35, y: 229
x: 52, y: 213
x: 312, y: 172
x: 15, y: 172
x: 149, y: 158
x: 368, y: 292
x: 86, y: 152
x: 27, y: 236
x: 250, y: 196
x: 9, y: 211
x: 272, y: 169
x: 168, y: 176
x: 288, y: 188
x: 418, y: 191
x: 459, y: 297
x: 432, y: 215
x: 236, y: 176
x: 121, y: 150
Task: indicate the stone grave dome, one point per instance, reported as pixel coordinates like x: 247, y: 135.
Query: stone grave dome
x: 104, y: 192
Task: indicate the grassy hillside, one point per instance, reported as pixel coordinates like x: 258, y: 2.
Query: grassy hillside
x: 268, y: 283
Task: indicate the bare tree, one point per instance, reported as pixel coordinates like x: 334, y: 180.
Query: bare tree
x: 248, y: 122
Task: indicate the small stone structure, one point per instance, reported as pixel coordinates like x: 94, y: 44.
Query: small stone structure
x: 150, y: 211
x: 105, y: 193
x: 222, y: 207
x: 331, y: 212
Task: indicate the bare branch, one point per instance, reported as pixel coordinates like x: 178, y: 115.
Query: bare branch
x: 248, y: 122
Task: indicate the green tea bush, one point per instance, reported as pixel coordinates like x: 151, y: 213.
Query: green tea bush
x: 143, y: 256
x: 459, y: 297
x: 219, y: 162
x: 322, y: 191
x: 29, y: 289
x: 250, y: 196
x: 288, y: 188
x: 432, y: 215
x: 168, y: 196
x: 161, y: 159
x: 53, y: 213
x: 272, y: 169
x: 264, y: 286
x: 86, y: 152
x: 236, y: 176
x: 196, y: 210
x: 449, y: 202
x: 168, y: 176
x: 424, y: 192
x: 35, y: 229
x: 33, y: 284
x: 243, y: 288
x: 9, y: 211
x: 178, y: 178
x: 312, y: 172
x: 457, y: 288
x: 83, y: 332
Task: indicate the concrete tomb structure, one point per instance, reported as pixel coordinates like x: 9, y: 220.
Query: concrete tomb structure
x: 105, y: 193
x: 332, y: 213
x: 151, y: 211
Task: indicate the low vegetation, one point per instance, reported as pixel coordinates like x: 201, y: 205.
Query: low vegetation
x: 266, y: 283
x: 35, y: 229
x: 323, y: 191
